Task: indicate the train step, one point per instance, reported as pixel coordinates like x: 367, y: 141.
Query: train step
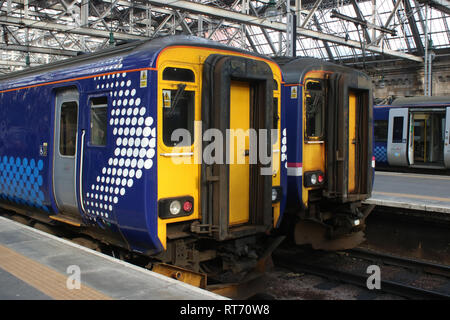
x: 68, y: 220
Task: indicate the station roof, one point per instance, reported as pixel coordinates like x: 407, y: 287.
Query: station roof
x: 36, y: 32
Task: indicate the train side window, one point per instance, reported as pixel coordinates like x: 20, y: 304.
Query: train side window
x: 314, y: 109
x: 178, y: 113
x: 178, y: 74
x: 380, y: 130
x: 68, y: 128
x: 397, y: 136
x: 99, y: 118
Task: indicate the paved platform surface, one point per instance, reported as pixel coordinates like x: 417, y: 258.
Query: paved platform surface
x: 411, y: 191
x: 36, y: 265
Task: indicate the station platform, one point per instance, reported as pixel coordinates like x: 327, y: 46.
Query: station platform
x: 411, y: 191
x: 38, y: 266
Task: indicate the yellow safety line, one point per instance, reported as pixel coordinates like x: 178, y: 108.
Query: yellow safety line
x: 44, y: 279
x: 415, y: 196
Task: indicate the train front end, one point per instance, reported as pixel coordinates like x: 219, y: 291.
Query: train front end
x: 330, y: 173
x: 220, y: 149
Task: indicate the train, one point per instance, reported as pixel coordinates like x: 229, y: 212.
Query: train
x: 329, y: 110
x: 179, y: 149
x: 413, y: 133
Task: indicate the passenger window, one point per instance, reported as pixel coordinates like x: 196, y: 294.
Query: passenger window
x: 178, y: 74
x: 380, y: 130
x: 397, y: 135
x: 178, y: 113
x: 99, y: 118
x: 314, y: 109
x: 68, y: 128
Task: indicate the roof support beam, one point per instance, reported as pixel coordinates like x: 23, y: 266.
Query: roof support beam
x: 388, y: 22
x: 441, y: 5
x: 311, y: 13
x: 248, y: 19
x: 250, y: 40
x: 412, y: 24
x: 182, y: 22
x: 33, y: 49
x: 264, y: 31
x: 361, y: 17
x: 20, y: 22
x: 325, y: 43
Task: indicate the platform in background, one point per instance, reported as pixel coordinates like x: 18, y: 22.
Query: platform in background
x: 411, y: 191
x: 35, y: 265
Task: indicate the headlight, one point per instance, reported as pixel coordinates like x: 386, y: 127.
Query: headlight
x: 170, y: 208
x: 274, y: 195
x: 175, y: 207
x: 313, y: 179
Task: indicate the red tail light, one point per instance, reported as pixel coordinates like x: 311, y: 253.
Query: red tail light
x: 320, y: 178
x: 187, y: 206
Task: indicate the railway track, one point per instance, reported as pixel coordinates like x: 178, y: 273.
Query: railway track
x: 328, y: 265
x: 350, y: 267
x: 409, y: 263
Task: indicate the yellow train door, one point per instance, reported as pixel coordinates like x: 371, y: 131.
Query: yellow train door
x: 239, y: 167
x: 352, y: 142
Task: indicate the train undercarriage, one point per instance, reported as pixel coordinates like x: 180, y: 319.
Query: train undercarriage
x: 327, y: 226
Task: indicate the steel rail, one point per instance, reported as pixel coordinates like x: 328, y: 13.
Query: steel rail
x: 297, y: 264
x: 405, y: 262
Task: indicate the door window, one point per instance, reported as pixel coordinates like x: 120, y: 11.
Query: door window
x: 99, y: 117
x: 68, y: 128
x: 397, y: 136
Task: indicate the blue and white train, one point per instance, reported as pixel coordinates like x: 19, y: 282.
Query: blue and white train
x: 87, y: 142
x: 413, y: 132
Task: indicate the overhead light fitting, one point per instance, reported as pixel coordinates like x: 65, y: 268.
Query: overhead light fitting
x: 271, y: 11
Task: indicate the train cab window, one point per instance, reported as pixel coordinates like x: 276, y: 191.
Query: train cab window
x: 178, y: 113
x: 68, y: 128
x: 178, y: 74
x: 99, y: 118
x: 397, y: 136
x: 314, y: 109
x: 380, y: 130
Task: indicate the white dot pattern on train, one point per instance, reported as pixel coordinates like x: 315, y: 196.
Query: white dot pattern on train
x: 134, y: 150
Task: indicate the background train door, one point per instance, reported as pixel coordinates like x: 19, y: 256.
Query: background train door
x: 65, y: 150
x: 447, y: 139
x: 428, y: 136
x: 352, y: 141
x: 420, y: 137
x: 398, y: 148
